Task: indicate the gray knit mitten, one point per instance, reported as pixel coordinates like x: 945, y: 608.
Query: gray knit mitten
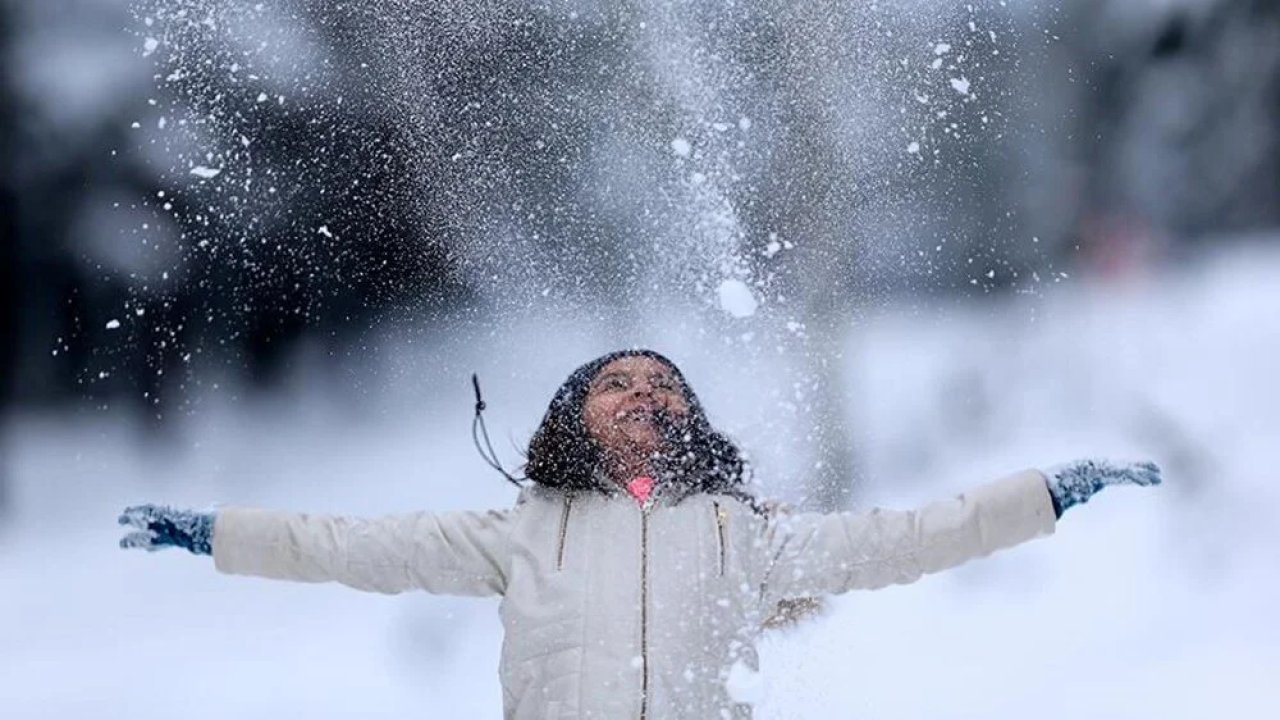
x: 1074, y: 482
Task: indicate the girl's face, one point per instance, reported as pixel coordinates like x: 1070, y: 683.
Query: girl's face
x: 623, y: 402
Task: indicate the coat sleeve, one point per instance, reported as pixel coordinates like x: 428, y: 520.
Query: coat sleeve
x: 456, y: 553
x: 817, y: 553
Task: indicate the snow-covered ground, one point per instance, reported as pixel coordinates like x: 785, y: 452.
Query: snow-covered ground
x: 1146, y: 604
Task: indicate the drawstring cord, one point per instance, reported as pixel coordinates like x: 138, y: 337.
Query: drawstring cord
x: 478, y: 430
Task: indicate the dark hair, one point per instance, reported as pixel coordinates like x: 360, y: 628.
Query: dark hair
x: 563, y: 455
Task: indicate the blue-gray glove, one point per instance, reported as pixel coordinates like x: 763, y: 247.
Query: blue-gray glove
x: 1074, y: 482
x: 160, y: 527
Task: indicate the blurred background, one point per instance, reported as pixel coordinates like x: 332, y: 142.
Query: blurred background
x: 253, y: 251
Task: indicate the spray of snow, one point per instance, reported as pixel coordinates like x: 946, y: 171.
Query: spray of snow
x: 744, y: 684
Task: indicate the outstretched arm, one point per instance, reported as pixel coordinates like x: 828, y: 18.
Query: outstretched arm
x: 816, y: 553
x: 460, y: 553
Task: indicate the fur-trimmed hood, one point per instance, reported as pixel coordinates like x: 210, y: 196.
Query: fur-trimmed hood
x: 562, y: 455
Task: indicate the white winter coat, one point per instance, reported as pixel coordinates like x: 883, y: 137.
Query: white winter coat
x: 615, y: 611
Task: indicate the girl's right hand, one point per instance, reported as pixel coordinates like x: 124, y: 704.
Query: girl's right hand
x: 160, y: 527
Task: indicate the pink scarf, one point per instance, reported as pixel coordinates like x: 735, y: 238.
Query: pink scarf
x: 640, y: 488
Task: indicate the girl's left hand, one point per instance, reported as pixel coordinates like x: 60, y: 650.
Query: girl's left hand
x: 159, y: 527
x: 1075, y: 482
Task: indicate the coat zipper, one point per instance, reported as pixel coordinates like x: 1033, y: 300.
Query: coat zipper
x: 644, y: 612
x: 722, y: 526
x: 564, y: 530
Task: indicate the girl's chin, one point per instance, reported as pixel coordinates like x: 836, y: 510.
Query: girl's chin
x: 641, y: 443
x: 646, y: 445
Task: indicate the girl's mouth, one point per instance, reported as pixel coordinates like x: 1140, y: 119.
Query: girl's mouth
x: 637, y: 414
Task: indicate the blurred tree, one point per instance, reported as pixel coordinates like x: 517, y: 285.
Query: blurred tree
x: 9, y: 275
x: 8, y: 221
x: 132, y: 269
x: 883, y: 177
x: 1170, y: 118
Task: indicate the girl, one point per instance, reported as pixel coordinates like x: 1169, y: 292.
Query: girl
x: 636, y: 570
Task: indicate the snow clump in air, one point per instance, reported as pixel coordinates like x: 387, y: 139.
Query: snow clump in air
x: 736, y: 298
